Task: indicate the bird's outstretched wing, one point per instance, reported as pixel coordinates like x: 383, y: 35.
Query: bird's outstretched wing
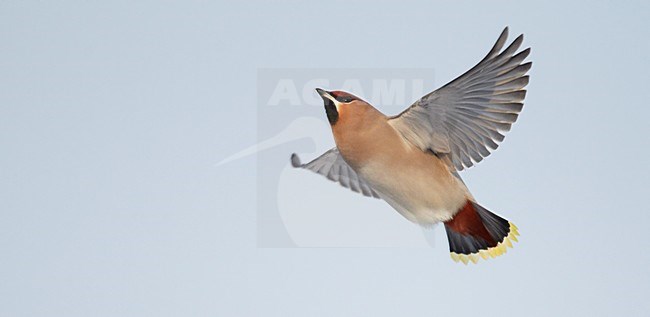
x: 464, y: 118
x: 332, y: 166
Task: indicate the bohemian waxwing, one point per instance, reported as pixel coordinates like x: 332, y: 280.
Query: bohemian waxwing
x: 412, y: 160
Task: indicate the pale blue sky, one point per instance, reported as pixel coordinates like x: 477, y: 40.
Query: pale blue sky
x: 112, y: 115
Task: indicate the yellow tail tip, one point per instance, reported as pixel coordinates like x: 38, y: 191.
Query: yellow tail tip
x: 492, y: 252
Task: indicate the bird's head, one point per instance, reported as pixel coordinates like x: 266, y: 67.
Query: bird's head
x: 342, y: 106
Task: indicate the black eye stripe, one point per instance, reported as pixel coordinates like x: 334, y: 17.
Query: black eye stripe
x: 344, y: 99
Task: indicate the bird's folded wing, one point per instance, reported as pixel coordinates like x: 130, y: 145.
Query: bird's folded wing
x: 332, y: 166
x: 465, y: 118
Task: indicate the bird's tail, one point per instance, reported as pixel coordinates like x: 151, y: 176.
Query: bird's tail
x: 477, y: 232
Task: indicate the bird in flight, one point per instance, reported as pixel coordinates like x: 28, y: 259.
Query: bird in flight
x: 412, y: 160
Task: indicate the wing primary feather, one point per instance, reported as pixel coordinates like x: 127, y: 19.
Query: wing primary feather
x: 513, y: 96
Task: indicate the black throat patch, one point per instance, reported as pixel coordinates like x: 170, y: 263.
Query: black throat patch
x: 330, y: 109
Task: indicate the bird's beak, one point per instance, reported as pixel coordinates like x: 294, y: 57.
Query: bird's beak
x: 331, y: 105
x: 327, y: 97
x: 324, y: 94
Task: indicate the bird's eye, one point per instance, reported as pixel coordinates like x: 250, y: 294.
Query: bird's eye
x: 345, y: 99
